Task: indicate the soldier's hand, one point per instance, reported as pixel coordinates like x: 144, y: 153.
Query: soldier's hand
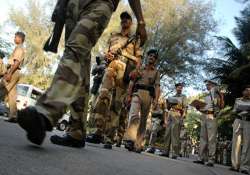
x: 7, y: 77
x: 109, y: 56
x: 141, y: 31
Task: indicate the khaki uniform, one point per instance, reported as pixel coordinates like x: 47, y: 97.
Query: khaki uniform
x: 140, y: 106
x: 156, y: 121
x: 208, y: 131
x: 18, y: 54
x: 2, y: 68
x: 242, y: 107
x: 70, y: 85
x: 173, y: 128
x: 237, y: 138
x: 113, y: 88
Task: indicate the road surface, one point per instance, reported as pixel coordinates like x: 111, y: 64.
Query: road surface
x: 19, y: 157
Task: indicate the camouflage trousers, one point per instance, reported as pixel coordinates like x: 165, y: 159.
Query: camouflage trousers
x: 123, y: 120
x: 172, y: 133
x: 70, y: 85
x: 156, y: 127
x: 110, y: 100
x: 138, y: 114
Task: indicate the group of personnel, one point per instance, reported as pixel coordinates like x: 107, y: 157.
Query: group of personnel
x: 129, y: 90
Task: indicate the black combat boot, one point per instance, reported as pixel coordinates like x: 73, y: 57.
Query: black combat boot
x: 67, y: 140
x: 11, y: 120
x: 34, y: 123
x: 150, y: 150
x: 129, y: 145
x: 94, y: 138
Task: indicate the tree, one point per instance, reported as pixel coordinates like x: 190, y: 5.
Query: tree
x: 181, y: 31
x: 233, y: 69
x: 37, y: 26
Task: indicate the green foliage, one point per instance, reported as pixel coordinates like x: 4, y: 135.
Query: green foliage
x: 233, y: 70
x: 35, y: 22
x: 193, y: 125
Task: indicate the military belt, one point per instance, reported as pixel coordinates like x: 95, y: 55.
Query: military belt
x: 151, y: 89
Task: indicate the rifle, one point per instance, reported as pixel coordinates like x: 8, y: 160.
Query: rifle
x: 58, y: 17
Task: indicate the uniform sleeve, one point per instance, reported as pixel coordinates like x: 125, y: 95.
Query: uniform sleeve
x: 185, y: 103
x: 157, y: 79
x: 235, y: 106
x: 138, y: 50
x: 18, y: 55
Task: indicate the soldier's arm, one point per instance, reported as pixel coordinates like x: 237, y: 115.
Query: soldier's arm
x: 136, y: 7
x: 185, y: 106
x: 130, y: 88
x: 18, y: 58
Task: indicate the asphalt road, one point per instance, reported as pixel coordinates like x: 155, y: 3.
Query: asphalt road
x: 19, y: 157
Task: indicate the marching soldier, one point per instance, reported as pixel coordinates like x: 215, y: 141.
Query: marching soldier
x: 158, y: 116
x: 144, y: 88
x: 98, y: 72
x: 214, y: 102
x: 124, y: 55
x: 177, y: 106
x: 241, y: 133
x: 12, y: 75
x: 85, y: 22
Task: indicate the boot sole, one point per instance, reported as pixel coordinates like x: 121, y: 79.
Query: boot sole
x: 33, y: 125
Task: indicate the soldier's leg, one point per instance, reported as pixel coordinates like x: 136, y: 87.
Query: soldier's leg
x: 155, y: 128
x: 78, y: 110
x: 122, y: 125
x: 175, y: 135
x: 134, y: 119
x: 245, y: 160
x: 236, y: 144
x: 12, y: 94
x: 203, y: 139
x: 68, y: 78
x: 103, y: 102
x: 115, y: 111
x: 167, y: 136
x: 145, y: 107
x: 212, y: 137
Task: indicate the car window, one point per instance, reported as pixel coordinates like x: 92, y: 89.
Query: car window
x: 35, y: 94
x: 22, y: 90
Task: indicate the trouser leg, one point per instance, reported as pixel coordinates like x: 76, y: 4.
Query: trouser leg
x: 236, y: 144
x: 212, y: 137
x: 203, y: 140
x: 12, y: 94
x: 71, y: 71
x: 245, y: 160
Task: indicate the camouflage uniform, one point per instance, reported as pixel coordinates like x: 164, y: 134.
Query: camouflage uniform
x: 140, y: 105
x: 108, y: 105
x: 18, y: 54
x: 156, y: 121
x: 173, y: 128
x: 70, y: 86
x: 123, y: 120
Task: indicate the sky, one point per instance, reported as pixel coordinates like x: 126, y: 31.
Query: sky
x: 225, y: 11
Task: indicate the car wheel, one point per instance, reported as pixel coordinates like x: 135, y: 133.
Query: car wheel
x: 63, y: 125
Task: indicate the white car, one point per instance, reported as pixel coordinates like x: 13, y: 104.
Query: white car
x: 27, y: 95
